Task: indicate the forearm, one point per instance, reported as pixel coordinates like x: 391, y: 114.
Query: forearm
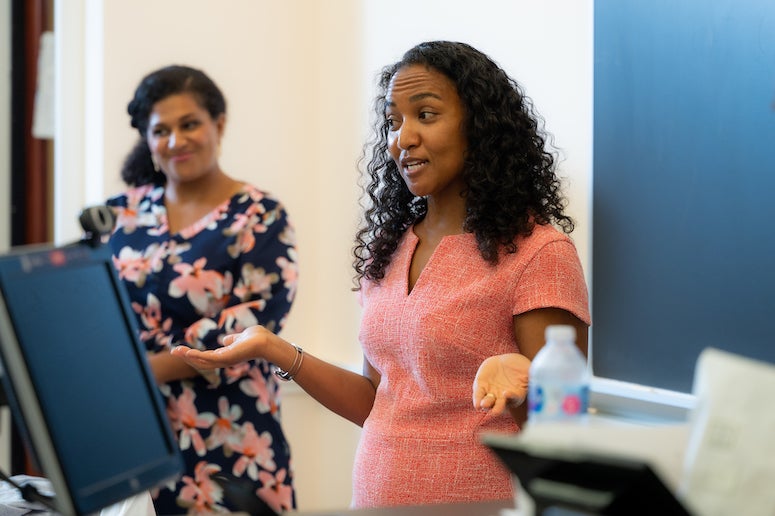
x: 344, y: 392
x: 167, y: 368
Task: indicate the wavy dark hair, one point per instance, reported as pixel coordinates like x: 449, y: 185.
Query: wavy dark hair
x: 510, y: 178
x: 137, y: 168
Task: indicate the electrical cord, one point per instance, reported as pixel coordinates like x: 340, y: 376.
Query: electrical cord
x: 29, y: 492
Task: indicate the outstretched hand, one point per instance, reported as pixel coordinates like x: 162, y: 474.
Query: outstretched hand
x: 500, y: 381
x: 238, y: 347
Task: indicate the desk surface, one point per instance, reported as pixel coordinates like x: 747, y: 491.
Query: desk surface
x: 458, y: 509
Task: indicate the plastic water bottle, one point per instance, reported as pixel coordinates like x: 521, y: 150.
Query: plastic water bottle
x: 558, y: 386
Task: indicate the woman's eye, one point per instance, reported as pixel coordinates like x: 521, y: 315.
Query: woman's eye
x: 159, y: 132
x: 392, y: 122
x: 425, y: 115
x: 191, y: 124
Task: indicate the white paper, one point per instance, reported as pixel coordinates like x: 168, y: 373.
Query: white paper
x: 661, y: 446
x: 730, y: 456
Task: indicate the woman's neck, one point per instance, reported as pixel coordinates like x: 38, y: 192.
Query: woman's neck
x: 211, y: 189
x: 443, y: 219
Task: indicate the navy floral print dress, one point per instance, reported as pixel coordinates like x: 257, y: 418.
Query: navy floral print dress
x: 234, y: 268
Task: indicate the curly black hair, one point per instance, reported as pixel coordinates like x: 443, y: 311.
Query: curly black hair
x: 138, y: 168
x: 509, y: 173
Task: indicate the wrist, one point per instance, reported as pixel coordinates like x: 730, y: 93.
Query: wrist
x: 288, y: 374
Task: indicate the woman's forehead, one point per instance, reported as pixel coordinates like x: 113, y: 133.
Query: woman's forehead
x: 414, y: 81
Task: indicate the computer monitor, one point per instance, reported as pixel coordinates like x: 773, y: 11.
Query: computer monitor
x: 77, y: 380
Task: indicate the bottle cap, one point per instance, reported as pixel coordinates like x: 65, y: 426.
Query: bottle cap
x: 560, y: 332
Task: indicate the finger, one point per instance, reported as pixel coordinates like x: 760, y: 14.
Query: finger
x: 478, y: 394
x: 179, y: 351
x: 488, y: 401
x: 499, y: 406
x: 514, y: 400
x: 195, y: 357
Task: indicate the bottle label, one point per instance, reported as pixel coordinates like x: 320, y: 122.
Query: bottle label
x: 557, y: 401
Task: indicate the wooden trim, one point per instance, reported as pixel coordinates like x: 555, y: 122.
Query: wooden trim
x: 37, y: 19
x: 31, y: 162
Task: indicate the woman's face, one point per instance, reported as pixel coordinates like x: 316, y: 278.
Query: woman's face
x: 183, y: 138
x: 426, y: 137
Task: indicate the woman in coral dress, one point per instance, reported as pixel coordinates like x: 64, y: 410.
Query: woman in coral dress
x: 463, y: 255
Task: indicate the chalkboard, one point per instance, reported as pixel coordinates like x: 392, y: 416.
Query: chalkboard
x: 683, y: 247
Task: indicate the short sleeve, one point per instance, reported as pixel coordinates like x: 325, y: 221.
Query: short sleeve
x: 553, y: 278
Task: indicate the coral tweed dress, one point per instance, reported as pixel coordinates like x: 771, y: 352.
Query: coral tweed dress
x: 420, y: 444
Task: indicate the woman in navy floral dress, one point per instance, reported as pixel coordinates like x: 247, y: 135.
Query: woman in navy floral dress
x: 202, y: 256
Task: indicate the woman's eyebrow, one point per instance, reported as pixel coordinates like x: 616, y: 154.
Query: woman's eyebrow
x: 415, y: 98
x: 421, y: 96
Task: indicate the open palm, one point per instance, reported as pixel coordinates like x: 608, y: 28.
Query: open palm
x: 501, y: 380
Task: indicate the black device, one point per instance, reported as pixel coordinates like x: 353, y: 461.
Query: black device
x: 77, y: 379
x: 581, y: 483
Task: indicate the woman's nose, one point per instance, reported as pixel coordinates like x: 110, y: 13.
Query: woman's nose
x: 408, y: 136
x: 173, y: 140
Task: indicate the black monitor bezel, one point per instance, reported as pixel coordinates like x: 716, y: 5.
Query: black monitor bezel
x: 22, y: 394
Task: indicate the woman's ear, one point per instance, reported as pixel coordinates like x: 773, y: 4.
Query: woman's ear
x: 220, y: 123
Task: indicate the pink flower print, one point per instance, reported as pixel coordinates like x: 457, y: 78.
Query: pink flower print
x: 290, y: 273
x: 288, y: 236
x: 268, y: 218
x: 246, y: 225
x: 256, y: 452
x: 278, y: 495
x: 156, y: 254
x: 236, y: 372
x: 209, y: 221
x: 193, y: 336
x: 200, y: 495
x: 225, y: 423
x: 185, y: 419
x: 151, y: 319
x: 238, y: 317
x: 198, y: 284
x: 241, y: 221
x: 255, y: 386
x: 256, y: 195
x: 196, y: 332
x: 156, y: 192
x: 127, y: 217
x: 244, y: 239
x: 132, y: 266
x: 159, y: 218
x: 255, y: 280
x: 175, y: 249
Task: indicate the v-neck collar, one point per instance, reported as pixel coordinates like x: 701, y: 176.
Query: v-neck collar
x: 196, y: 227
x: 411, y: 242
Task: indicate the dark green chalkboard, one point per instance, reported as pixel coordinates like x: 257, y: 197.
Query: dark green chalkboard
x: 683, y: 186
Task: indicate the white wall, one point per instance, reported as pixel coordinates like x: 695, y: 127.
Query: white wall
x: 299, y: 78
x: 545, y: 45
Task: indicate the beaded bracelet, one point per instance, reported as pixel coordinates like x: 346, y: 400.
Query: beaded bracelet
x: 288, y: 375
